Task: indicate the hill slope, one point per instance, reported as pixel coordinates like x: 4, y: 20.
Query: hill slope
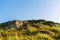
x: 29, y: 30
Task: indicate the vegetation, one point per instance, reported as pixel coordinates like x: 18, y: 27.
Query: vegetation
x: 32, y: 30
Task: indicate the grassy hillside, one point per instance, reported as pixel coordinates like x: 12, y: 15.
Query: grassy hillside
x: 31, y: 30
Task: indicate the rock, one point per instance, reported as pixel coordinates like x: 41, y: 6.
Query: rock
x: 12, y: 24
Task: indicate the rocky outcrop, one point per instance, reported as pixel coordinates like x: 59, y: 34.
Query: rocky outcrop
x: 12, y: 24
x: 18, y: 23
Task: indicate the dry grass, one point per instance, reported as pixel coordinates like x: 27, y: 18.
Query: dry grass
x: 31, y: 32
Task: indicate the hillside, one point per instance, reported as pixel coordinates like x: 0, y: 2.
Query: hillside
x: 29, y: 30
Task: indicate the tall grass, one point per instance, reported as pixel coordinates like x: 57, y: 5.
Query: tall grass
x: 31, y: 32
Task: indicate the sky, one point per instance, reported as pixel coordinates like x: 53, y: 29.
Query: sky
x: 29, y: 9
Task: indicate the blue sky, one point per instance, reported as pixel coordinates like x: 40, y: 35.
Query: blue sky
x: 29, y: 9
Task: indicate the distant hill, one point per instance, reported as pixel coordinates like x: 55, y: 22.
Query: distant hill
x: 29, y: 30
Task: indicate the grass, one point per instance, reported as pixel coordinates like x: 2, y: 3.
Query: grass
x: 31, y: 32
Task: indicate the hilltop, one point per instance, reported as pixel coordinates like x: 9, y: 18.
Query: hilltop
x: 29, y: 30
x: 19, y: 23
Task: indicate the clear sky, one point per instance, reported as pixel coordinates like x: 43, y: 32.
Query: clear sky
x: 29, y: 9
